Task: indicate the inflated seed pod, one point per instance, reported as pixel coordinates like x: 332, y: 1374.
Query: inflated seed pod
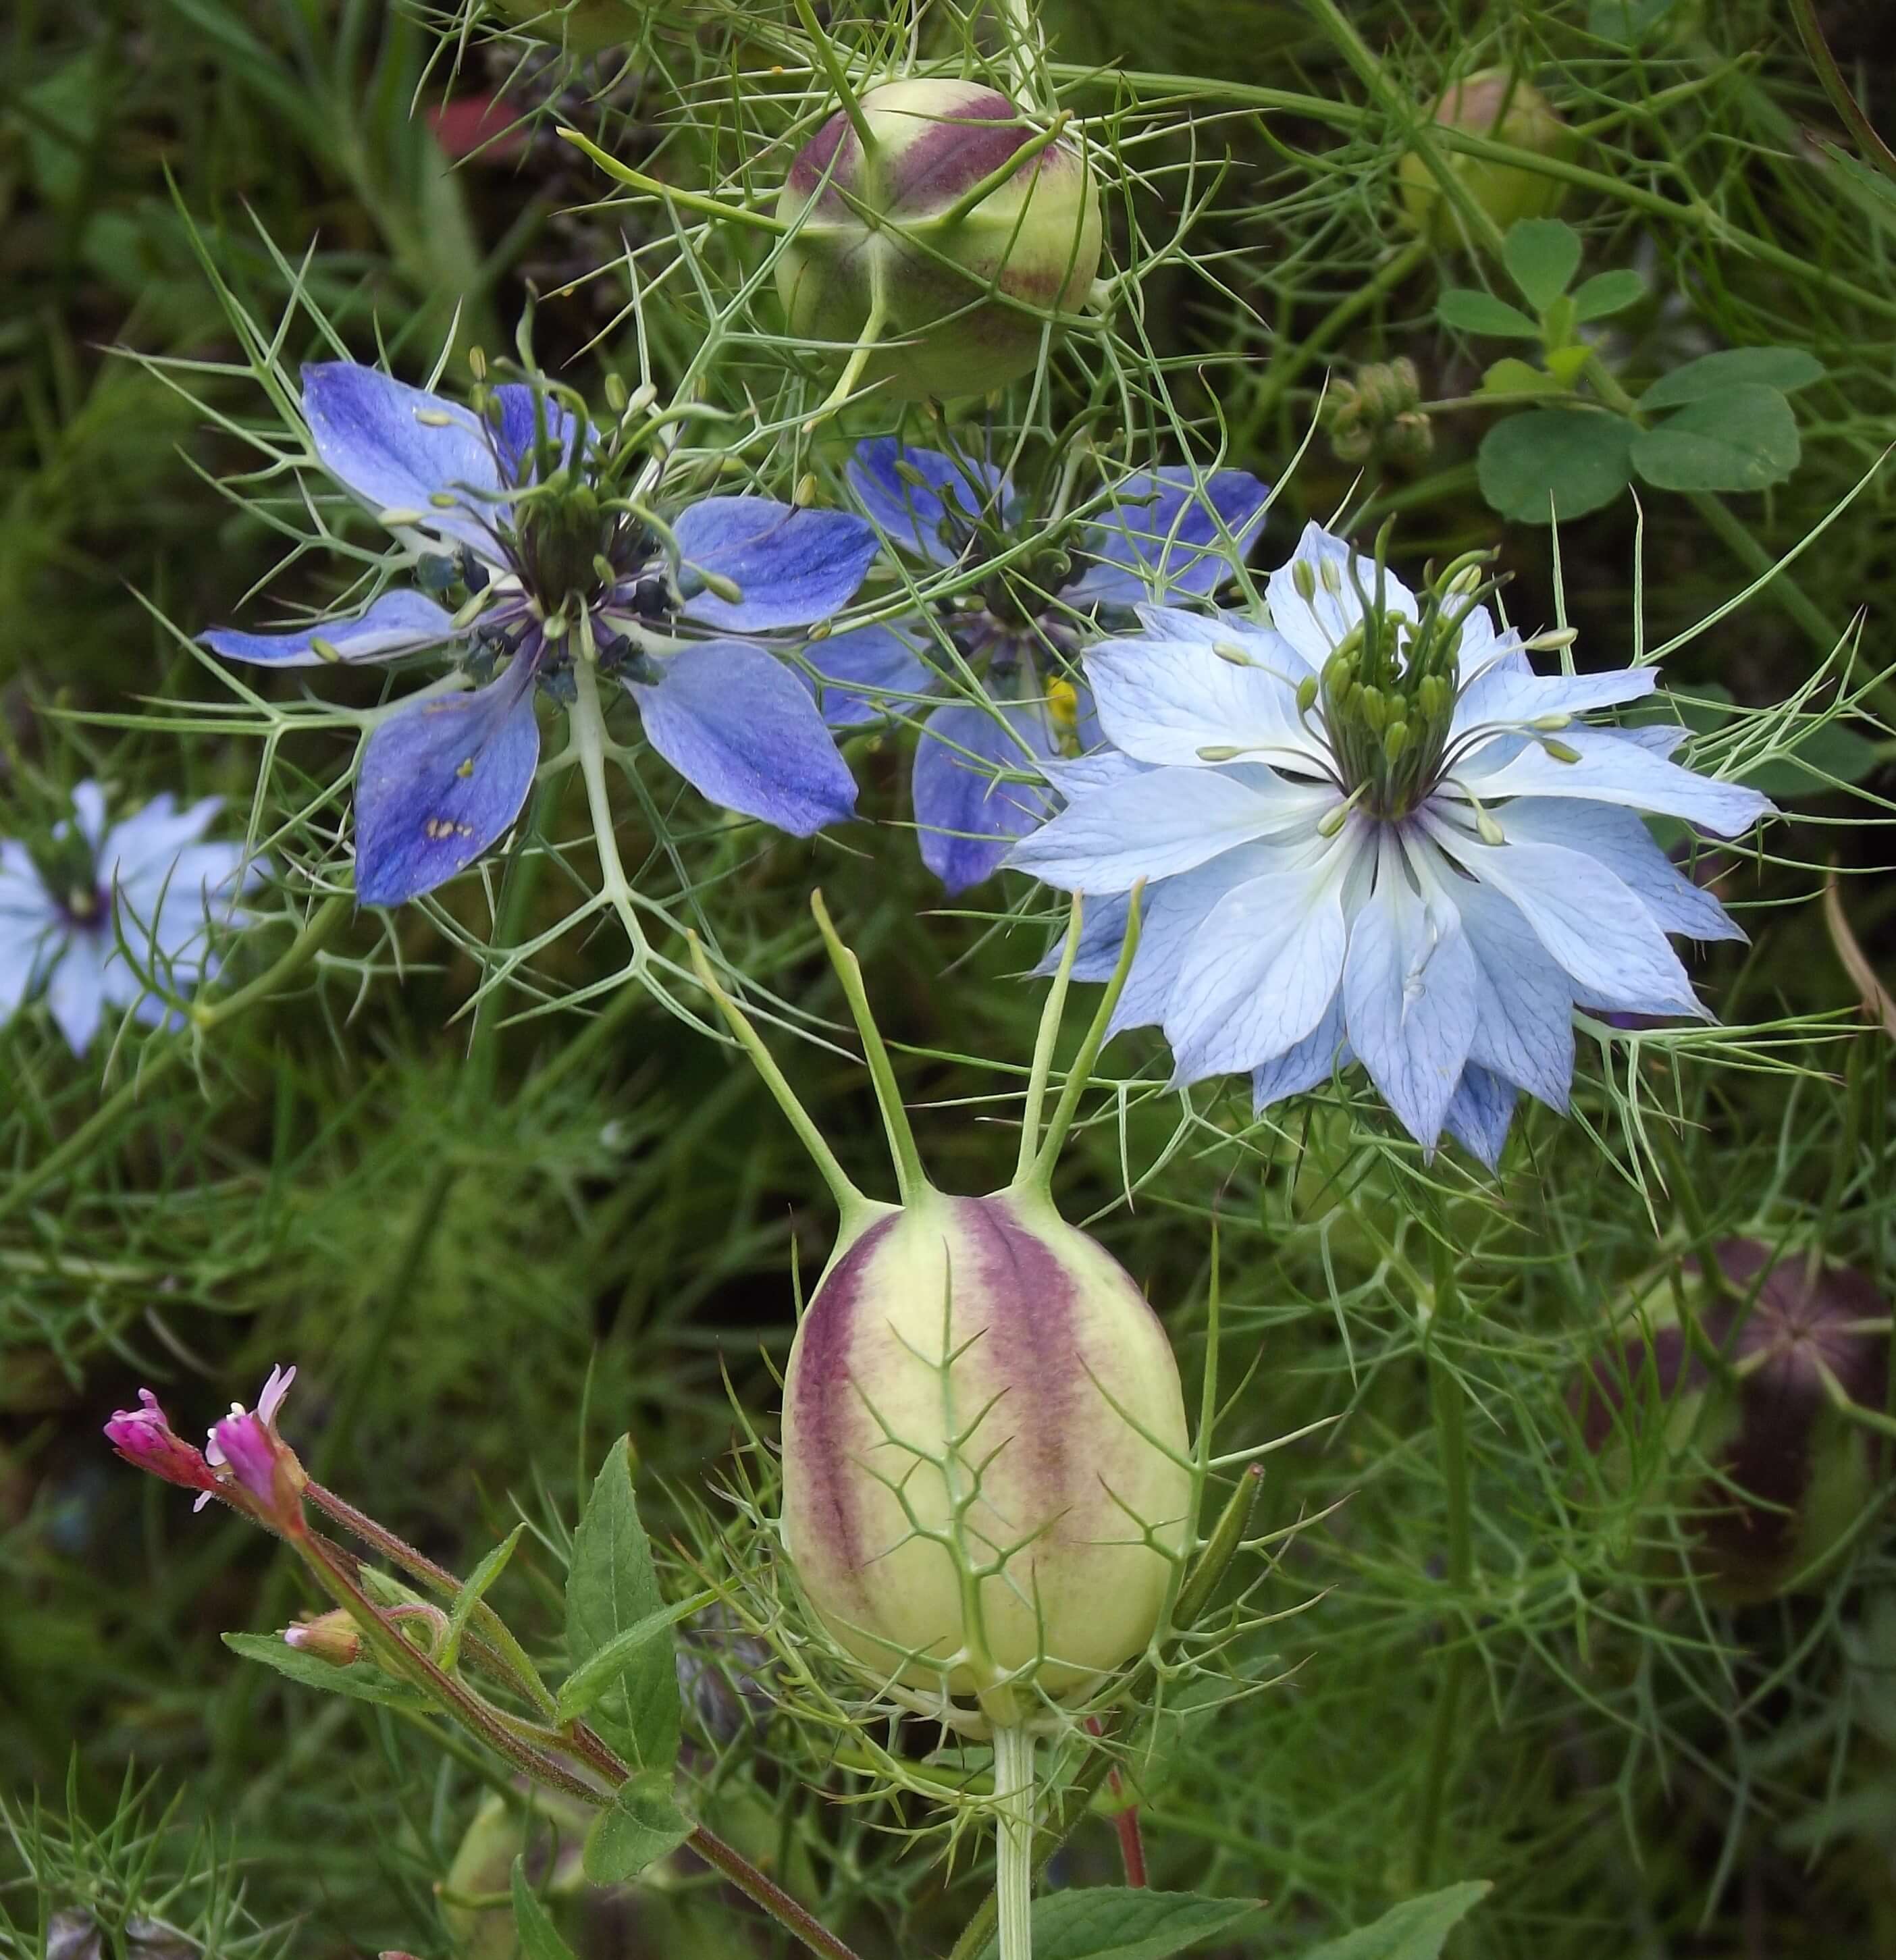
x: 942, y: 291
x: 1493, y: 102
x: 1765, y: 1474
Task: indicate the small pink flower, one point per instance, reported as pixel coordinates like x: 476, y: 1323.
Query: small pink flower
x: 144, y: 1438
x: 246, y: 1446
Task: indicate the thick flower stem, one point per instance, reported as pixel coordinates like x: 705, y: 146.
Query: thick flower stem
x: 157, y: 1062
x: 1013, y: 1846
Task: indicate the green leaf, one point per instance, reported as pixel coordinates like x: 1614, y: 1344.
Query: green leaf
x: 473, y: 1592
x: 1552, y: 462
x: 1542, y: 255
x: 585, y: 1684
x: 1608, y: 293
x: 1116, y: 1923
x: 1743, y: 438
x: 360, y: 1681
x: 1414, y: 1930
x: 1509, y: 375
x: 610, y: 1588
x: 643, y: 1826
x: 539, y: 1937
x: 1783, y: 368
x: 1567, y: 365
x: 1467, y: 311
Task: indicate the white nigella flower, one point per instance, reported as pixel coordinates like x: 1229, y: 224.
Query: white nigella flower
x: 149, y: 881
x: 1370, y: 831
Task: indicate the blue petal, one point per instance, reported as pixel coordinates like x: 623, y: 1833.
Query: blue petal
x: 1524, y: 1025
x: 1409, y: 997
x: 742, y: 730
x: 440, y: 783
x: 1480, y: 1113
x: 914, y: 515
x: 1610, y: 769
x: 75, y: 992
x: 1102, y: 934
x: 967, y: 816
x: 791, y: 567
x: 1314, y: 625
x: 1173, y: 529
x: 517, y: 427
x: 1170, y: 701
x: 1316, y: 1058
x: 1501, y: 694
x: 865, y: 666
x: 371, y: 436
x: 397, y: 623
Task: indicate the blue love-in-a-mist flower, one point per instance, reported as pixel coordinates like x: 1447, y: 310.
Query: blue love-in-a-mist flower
x: 1373, y: 832
x: 1174, y: 530
x: 517, y: 503
x: 149, y: 881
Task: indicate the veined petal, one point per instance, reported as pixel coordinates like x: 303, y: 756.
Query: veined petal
x: 1171, y: 912
x: 1506, y: 698
x: 398, y: 448
x: 1260, y: 973
x: 1102, y: 934
x: 967, y: 814
x: 1615, y: 771
x: 1314, y: 625
x: 1167, y: 701
x: 1480, y: 1113
x: 913, y: 515
x: 398, y: 623
x: 742, y: 730
x: 1524, y: 1018
x: 75, y: 991
x: 440, y: 783
x: 1305, y: 1064
x: 1076, y: 776
x: 1623, y: 843
x: 1172, y: 529
x: 791, y: 567
x: 1155, y: 825
x: 1592, y: 926
x: 853, y: 671
x: 1410, y: 996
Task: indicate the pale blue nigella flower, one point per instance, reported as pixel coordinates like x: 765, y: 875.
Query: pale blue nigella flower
x: 537, y: 520
x: 1173, y: 530
x: 1371, y: 831
x: 149, y: 881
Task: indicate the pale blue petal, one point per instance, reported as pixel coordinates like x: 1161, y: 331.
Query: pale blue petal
x: 1509, y: 698
x: 88, y: 812
x: 1172, y: 911
x: 1409, y: 998
x: 1155, y: 825
x: 855, y: 673
x: 914, y: 515
x: 742, y: 730
x: 1315, y: 626
x: 1260, y: 973
x: 75, y: 991
x: 1661, y: 738
x: 1174, y: 529
x: 19, y: 959
x: 1168, y: 700
x: 150, y: 840
x: 1076, y: 776
x: 1592, y: 926
x: 1623, y: 843
x: 398, y: 448
x: 1102, y: 933
x: 440, y: 783
x: 791, y: 567
x: 399, y: 622
x: 1314, y: 1059
x: 1524, y: 1019
x: 967, y: 814
x: 1613, y: 770
x: 1480, y: 1113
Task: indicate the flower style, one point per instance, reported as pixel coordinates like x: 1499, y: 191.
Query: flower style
x: 245, y: 1462
x: 1172, y: 530
x: 517, y: 503
x: 1371, y: 831
x: 149, y: 881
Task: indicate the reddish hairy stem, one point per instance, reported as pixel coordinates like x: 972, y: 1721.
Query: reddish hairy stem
x: 1125, y: 1819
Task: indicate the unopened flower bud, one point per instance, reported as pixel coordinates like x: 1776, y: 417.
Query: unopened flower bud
x: 145, y: 1439
x: 1765, y: 1477
x: 333, y: 1637
x: 1493, y: 103
x: 962, y: 293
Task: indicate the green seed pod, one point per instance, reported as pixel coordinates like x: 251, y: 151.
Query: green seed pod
x: 1764, y: 1474
x: 1491, y: 102
x: 941, y: 296
x: 987, y: 1485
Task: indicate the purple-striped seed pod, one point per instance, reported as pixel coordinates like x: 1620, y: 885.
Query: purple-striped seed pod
x: 1767, y: 1477
x: 984, y: 1450
x: 954, y: 300
x: 1493, y: 103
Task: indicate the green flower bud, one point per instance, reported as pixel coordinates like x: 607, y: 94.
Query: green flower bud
x: 1765, y: 1476
x: 954, y: 298
x: 1491, y: 102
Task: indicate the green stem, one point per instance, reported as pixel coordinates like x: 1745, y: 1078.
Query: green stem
x: 1045, y: 1037
x: 711, y: 207
x: 1013, y: 1842
x: 588, y: 721
x: 793, y: 1917
x: 205, y: 1018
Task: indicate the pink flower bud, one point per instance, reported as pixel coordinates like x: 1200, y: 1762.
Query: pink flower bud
x: 246, y: 1446
x: 145, y: 1439
x: 1497, y: 103
x: 956, y: 299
